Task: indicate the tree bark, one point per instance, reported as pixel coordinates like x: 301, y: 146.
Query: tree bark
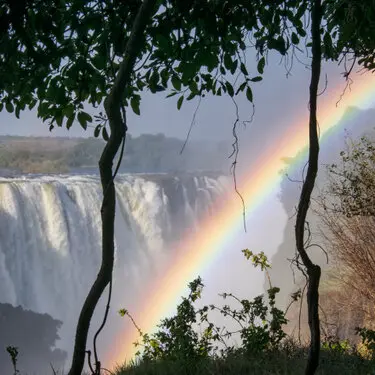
x: 118, y: 131
x: 313, y: 270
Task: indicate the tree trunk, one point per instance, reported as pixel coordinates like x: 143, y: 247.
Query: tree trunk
x: 313, y: 270
x: 118, y: 131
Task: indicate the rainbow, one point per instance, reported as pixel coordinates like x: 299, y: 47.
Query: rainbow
x: 196, y: 252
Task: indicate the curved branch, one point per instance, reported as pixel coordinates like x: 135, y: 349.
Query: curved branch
x: 118, y: 130
x: 313, y: 271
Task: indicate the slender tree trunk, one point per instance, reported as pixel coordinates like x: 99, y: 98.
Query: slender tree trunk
x: 313, y: 270
x: 118, y: 131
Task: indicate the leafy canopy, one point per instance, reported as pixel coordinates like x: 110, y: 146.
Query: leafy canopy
x: 62, y: 55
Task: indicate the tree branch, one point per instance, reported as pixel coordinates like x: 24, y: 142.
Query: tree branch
x: 118, y: 130
x: 313, y: 271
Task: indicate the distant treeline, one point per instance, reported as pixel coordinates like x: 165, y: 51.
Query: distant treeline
x: 143, y: 154
x: 34, y: 335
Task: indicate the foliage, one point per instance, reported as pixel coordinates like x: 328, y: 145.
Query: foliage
x: 347, y: 209
x: 257, y: 259
x: 368, y: 340
x: 352, y: 182
x: 337, y: 346
x: 264, y: 349
x: 270, y: 363
x: 72, y: 58
x: 351, y: 24
x: 13, y: 353
x: 259, y: 323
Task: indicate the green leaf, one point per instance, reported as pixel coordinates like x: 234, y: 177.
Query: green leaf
x: 295, y: 39
x: 192, y: 95
x: 241, y: 88
x: 234, y: 66
x: 249, y: 94
x: 277, y: 44
x: 159, y: 88
x: 228, y: 61
x: 9, y: 107
x: 163, y: 42
x: 172, y: 94
x: 134, y: 102
x: 243, y: 69
x: 164, y: 74
x: 68, y: 110
x: 99, y: 61
x: 59, y: 120
x: 179, y: 102
x: 256, y: 79
x: 140, y: 84
x: 18, y: 110
x: 154, y: 80
x: 207, y: 58
x: 176, y: 83
x: 328, y: 47
x: 83, y: 119
x: 229, y: 88
x: 70, y: 120
x: 97, y: 131
x: 302, y: 32
x: 261, y: 64
x: 1, y: 106
x: 193, y: 87
x: 32, y: 104
x: 105, y: 134
x: 189, y: 70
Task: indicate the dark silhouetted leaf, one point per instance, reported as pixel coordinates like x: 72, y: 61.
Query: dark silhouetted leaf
x: 134, y: 103
x: 105, y: 134
x: 70, y: 120
x: 179, y: 101
x: 229, y: 88
x: 249, y: 94
x: 9, y: 107
x: 243, y: 69
x: 97, y: 131
x: 83, y: 119
x: 176, y: 83
x: 261, y: 64
x: 295, y: 39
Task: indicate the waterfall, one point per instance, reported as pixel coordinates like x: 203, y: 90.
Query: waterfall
x: 50, y: 237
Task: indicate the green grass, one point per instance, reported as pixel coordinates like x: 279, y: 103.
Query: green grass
x: 265, y: 363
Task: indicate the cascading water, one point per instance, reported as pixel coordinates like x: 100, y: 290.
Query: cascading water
x: 50, y: 237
